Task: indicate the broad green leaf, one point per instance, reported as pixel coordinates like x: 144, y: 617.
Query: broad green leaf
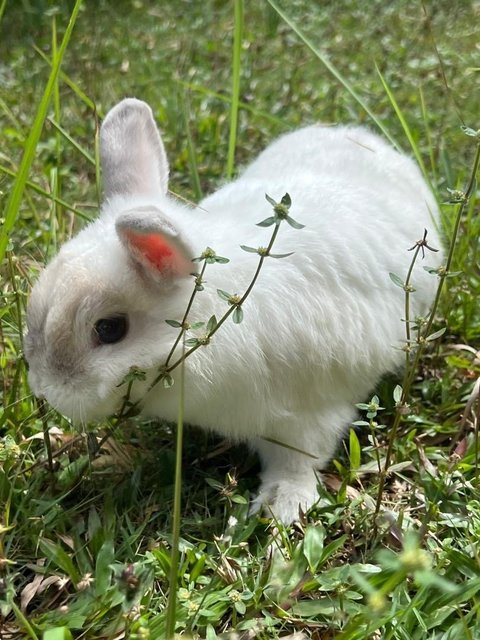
x: 211, y: 635
x: 103, y: 571
x: 313, y: 546
x: 238, y: 499
x: 240, y: 607
x: 59, y: 633
x: 58, y: 557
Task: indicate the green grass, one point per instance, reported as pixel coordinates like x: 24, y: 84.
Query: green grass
x: 85, y: 543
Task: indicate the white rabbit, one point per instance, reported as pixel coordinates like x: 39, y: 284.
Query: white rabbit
x: 320, y: 327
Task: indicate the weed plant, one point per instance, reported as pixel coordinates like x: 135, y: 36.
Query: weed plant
x: 86, y: 546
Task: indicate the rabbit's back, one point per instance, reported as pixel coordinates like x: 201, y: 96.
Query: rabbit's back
x: 331, y: 309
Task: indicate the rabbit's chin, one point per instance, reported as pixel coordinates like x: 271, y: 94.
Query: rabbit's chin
x: 84, y: 407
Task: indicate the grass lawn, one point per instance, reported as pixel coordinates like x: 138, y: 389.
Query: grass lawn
x: 86, y: 518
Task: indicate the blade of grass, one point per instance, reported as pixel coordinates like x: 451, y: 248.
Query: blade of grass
x: 237, y: 48
x: 433, y: 164
x: 22, y: 620
x: 335, y: 72
x: 192, y: 156
x: 56, y: 178
x: 69, y: 82
x: 98, y: 180
x: 404, y: 124
x: 73, y: 142
x: 2, y: 9
x: 38, y: 189
x: 14, y: 201
x: 10, y: 115
x: 244, y: 105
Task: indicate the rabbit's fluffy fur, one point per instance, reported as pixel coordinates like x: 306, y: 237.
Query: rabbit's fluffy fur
x: 320, y: 327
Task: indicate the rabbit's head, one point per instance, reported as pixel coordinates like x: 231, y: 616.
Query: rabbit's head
x: 100, y: 306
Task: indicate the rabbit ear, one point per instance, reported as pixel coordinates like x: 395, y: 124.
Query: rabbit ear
x: 154, y: 243
x: 132, y: 154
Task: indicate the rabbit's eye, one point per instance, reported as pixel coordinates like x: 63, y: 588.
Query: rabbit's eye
x: 111, y: 330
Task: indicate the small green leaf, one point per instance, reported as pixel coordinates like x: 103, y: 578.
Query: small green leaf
x: 211, y: 635
x: 237, y: 316
x: 397, y: 280
x: 454, y: 274
x: 468, y: 131
x: 211, y: 324
x: 224, y: 295
x: 270, y: 200
x: 355, y: 452
x: 437, y: 334
x: 248, y: 249
x: 174, y: 323
x: 432, y: 270
x: 241, y: 607
x: 293, y: 223
x: 267, y: 222
x: 397, y: 393
x: 363, y: 406
x: 132, y: 375
x: 192, y: 342
x: 281, y: 255
x: 197, y: 325
x: 239, y: 499
x: 286, y: 200
x: 168, y: 381
x: 221, y: 260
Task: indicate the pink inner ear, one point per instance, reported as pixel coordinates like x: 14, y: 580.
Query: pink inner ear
x: 156, y: 250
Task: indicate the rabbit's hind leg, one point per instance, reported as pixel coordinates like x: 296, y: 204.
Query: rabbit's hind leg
x: 291, y: 464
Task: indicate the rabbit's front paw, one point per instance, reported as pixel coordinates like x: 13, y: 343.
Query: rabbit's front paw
x: 283, y: 497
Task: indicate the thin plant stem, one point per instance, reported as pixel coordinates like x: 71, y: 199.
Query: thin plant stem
x: 225, y: 317
x: 412, y: 365
x: 177, y: 513
x: 198, y: 278
x: 46, y: 435
x: 237, y: 49
x: 408, y: 291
